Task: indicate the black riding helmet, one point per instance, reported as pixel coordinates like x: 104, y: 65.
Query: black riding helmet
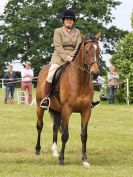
x: 68, y: 14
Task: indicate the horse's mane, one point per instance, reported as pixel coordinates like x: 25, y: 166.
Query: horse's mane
x: 84, y: 39
x: 91, y: 38
x: 77, y: 51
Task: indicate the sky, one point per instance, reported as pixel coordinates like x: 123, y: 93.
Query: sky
x: 122, y: 16
x: 122, y: 20
x: 2, y: 5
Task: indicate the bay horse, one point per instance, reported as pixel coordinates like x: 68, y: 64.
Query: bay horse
x: 75, y: 93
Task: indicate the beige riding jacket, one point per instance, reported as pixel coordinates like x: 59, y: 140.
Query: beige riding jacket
x: 65, y: 44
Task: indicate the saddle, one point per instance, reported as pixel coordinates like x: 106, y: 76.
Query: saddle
x: 56, y: 81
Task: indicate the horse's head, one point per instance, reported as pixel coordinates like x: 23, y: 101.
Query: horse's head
x: 91, y: 56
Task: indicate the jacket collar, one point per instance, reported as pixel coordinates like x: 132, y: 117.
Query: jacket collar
x: 67, y: 34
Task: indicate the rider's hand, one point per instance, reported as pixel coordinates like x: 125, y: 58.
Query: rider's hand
x: 69, y: 58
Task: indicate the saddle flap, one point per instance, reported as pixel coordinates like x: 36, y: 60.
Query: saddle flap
x: 56, y: 80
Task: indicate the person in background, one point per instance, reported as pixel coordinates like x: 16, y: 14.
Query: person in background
x: 27, y: 76
x: 9, y: 81
x: 113, y: 84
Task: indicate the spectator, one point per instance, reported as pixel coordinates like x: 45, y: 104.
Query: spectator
x: 113, y: 84
x: 27, y: 76
x: 9, y: 77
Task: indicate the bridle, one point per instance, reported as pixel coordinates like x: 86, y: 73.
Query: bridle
x: 86, y: 66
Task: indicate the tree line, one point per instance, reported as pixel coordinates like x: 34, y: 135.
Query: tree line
x: 27, y: 27
x: 123, y: 60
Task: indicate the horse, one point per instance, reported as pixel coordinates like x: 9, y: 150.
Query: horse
x: 76, y: 94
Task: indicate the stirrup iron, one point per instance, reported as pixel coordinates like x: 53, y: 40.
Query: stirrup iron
x: 43, y: 102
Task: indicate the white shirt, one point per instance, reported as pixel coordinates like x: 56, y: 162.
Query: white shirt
x: 24, y: 76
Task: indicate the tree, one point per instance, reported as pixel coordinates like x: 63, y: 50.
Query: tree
x: 2, y: 58
x: 123, y: 60
x: 132, y: 20
x: 29, y: 25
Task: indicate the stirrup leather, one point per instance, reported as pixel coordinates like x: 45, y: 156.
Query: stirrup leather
x: 43, y: 102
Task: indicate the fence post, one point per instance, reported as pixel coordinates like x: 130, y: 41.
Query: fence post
x: 3, y: 84
x: 127, y: 81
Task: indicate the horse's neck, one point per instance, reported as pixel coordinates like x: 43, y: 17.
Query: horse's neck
x: 82, y: 76
x: 79, y: 60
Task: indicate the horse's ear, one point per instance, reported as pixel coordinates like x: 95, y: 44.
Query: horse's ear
x: 83, y: 37
x: 98, y: 36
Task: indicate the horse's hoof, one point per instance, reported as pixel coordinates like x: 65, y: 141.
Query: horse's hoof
x: 37, y: 152
x: 86, y: 164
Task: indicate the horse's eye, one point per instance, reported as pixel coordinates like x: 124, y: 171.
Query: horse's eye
x: 87, y: 52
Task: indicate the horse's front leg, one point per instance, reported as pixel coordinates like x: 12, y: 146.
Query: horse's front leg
x: 66, y: 112
x: 39, y: 127
x: 85, y: 116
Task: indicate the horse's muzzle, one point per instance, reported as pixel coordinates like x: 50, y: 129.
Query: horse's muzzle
x: 94, y: 76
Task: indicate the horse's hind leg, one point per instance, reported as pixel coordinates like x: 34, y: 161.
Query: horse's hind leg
x: 85, y: 115
x: 39, y: 127
x: 56, y: 125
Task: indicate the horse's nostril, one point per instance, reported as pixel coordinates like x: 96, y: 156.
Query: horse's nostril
x: 94, y: 75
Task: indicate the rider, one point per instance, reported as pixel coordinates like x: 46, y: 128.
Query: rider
x: 66, y: 41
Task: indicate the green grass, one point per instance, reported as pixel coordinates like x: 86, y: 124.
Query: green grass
x: 109, y: 146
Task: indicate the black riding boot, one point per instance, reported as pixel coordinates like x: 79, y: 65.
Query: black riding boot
x: 95, y: 103
x: 45, y: 103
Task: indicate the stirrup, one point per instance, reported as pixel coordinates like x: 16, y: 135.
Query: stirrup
x: 44, y: 102
x: 95, y: 104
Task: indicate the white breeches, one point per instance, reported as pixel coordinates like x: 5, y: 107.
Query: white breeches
x: 51, y: 72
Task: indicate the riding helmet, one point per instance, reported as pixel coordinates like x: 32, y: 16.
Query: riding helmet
x: 69, y: 14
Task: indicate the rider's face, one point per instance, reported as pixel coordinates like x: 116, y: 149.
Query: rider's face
x: 68, y: 23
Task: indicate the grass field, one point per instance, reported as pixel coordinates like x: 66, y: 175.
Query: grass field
x: 109, y: 146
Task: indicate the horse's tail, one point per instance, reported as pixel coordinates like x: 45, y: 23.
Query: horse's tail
x: 56, y: 117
